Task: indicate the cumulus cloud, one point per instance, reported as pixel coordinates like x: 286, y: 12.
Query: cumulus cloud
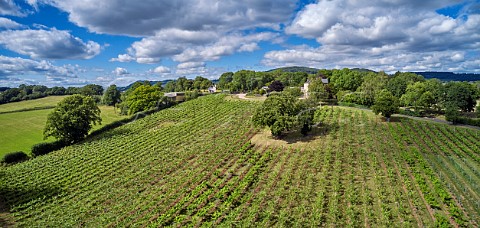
x: 120, y: 71
x: 48, y: 44
x: 199, y: 69
x: 9, y: 24
x: 144, y: 18
x: 8, y: 7
x: 189, y: 65
x: 161, y: 70
x: 188, y: 46
x: 18, y: 66
x: 226, y: 45
x: 382, y: 35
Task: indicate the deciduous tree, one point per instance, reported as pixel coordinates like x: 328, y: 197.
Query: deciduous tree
x: 72, y: 119
x: 385, y: 104
x: 111, y: 96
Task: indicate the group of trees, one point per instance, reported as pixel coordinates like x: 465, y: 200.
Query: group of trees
x: 248, y: 80
x: 383, y: 93
x: 183, y: 84
x: 30, y: 92
x: 283, y: 112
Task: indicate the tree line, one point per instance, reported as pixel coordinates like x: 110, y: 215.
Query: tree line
x: 383, y: 93
x: 30, y: 92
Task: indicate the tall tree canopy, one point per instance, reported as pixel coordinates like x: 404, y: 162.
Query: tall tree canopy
x: 462, y: 95
x: 91, y: 90
x: 282, y: 112
x: 397, y: 85
x: 143, y: 98
x: 385, y: 104
x: 72, y: 118
x: 111, y: 96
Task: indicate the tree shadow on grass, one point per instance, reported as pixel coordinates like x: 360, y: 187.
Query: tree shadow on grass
x: 318, y: 130
x: 10, y: 198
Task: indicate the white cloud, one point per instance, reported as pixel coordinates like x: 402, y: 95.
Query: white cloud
x: 382, y: 35
x: 189, y: 65
x: 145, y: 18
x: 8, y: 7
x: 10, y: 66
x: 123, y: 58
x: 120, y: 71
x: 226, y: 45
x: 162, y: 70
x: 48, y: 44
x: 9, y: 24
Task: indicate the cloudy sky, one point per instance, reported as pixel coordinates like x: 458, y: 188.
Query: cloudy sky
x: 74, y: 42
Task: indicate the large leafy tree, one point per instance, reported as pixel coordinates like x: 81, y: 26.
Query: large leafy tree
x: 462, y: 95
x: 91, y: 90
x: 399, y: 82
x: 276, y: 86
x: 385, y: 104
x: 72, y: 119
x: 282, y: 112
x: 224, y: 80
x: 346, y: 79
x: 371, y: 85
x: 111, y: 96
x: 317, y: 90
x: 143, y: 98
x: 452, y: 112
x: 277, y: 112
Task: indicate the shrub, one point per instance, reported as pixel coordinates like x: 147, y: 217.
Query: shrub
x: 47, y: 147
x: 14, y: 157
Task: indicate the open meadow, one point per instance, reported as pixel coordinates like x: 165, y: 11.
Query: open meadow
x: 201, y: 163
x: 20, y: 129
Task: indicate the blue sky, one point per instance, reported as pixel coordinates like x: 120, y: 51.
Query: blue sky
x: 75, y: 42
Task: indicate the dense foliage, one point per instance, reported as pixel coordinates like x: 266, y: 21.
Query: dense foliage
x: 143, y: 98
x: 30, y: 92
x: 385, y: 104
x: 72, y: 119
x: 282, y: 112
x: 111, y: 96
x: 14, y: 157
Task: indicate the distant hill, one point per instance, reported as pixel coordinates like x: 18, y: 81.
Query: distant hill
x: 125, y: 88
x: 215, y: 81
x: 308, y: 70
x: 449, y: 76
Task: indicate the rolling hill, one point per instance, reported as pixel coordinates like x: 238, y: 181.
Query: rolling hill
x: 202, y: 163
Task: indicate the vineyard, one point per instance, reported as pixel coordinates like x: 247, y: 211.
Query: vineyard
x: 196, y: 165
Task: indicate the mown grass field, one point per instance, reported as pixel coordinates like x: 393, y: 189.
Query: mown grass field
x: 201, y: 163
x: 49, y: 101
x: 21, y: 130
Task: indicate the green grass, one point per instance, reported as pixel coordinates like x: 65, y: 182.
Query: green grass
x: 202, y: 164
x: 30, y: 104
x: 21, y: 130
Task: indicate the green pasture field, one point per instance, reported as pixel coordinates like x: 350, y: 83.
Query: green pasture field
x: 21, y: 130
x: 49, y: 101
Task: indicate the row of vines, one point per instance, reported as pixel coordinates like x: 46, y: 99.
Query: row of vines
x: 195, y: 165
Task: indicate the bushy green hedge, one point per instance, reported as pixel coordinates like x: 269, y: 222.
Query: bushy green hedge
x: 411, y: 113
x: 46, y: 147
x: 14, y: 157
x: 469, y: 121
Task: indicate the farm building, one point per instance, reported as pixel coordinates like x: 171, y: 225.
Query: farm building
x: 212, y: 89
x: 176, y: 96
x: 304, y: 89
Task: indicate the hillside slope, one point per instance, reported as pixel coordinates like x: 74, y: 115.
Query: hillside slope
x: 202, y: 163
